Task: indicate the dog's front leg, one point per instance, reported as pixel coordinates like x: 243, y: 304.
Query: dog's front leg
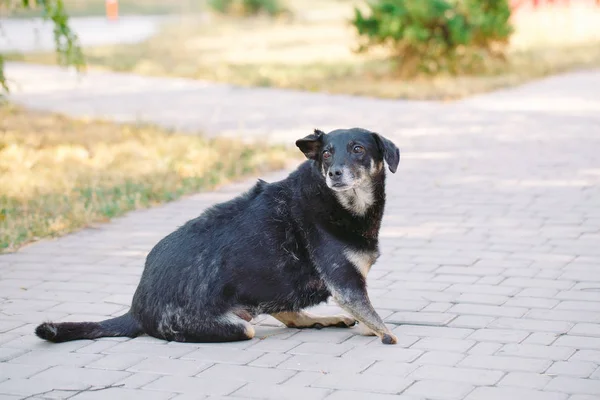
x: 356, y: 302
x: 349, y: 290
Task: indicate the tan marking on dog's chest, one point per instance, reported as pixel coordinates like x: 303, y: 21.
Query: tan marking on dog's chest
x: 362, y: 260
x: 357, y: 200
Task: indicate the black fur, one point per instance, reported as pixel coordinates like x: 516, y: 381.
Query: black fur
x: 125, y: 325
x: 277, y: 248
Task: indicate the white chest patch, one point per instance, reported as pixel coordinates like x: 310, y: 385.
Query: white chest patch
x: 362, y: 260
x: 357, y: 200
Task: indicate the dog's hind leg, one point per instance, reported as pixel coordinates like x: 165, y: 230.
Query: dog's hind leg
x: 303, y: 319
x: 225, y: 328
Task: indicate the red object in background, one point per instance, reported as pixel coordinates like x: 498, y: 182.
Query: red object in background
x: 112, y: 9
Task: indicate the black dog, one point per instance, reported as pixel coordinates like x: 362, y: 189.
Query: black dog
x: 277, y: 249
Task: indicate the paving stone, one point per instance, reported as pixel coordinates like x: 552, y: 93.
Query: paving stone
x: 485, y: 348
x: 565, y: 315
x: 504, y: 363
x: 536, y: 351
x: 503, y: 393
x: 543, y: 293
x: 433, y: 331
x: 51, y: 358
x: 439, y: 390
x: 17, y: 371
x: 578, y: 305
x: 471, y: 321
x: 542, y: 338
x: 437, y: 307
x: 270, y: 360
x: 332, y: 349
x: 490, y: 311
x: 539, y: 283
x: 33, y: 387
x: 116, y: 362
x: 582, y: 397
x: 97, y: 346
x: 352, y: 395
x: 246, y: 373
x: 579, y: 342
x: 439, y: 358
x: 498, y: 335
x: 150, y: 349
x: 586, y: 355
x: 484, y: 289
x: 138, y: 380
x: 7, y: 354
x: 277, y: 392
x: 330, y: 335
x: 64, y: 374
x: 443, y: 344
x: 122, y: 394
x: 531, y: 302
x: 578, y: 369
x: 477, y: 298
x: 585, y: 329
x: 323, y: 363
x: 577, y: 295
x: 277, y: 346
x: 574, y: 385
x: 532, y: 325
x: 477, y: 377
x: 303, y: 378
x: 360, y: 382
x: 184, y: 384
x: 32, y: 342
x: 525, y: 380
x: 166, y: 366
x: 222, y: 355
x: 382, y: 352
x: 420, y: 318
x: 391, y: 368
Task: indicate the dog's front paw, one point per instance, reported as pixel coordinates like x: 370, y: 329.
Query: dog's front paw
x: 389, y: 338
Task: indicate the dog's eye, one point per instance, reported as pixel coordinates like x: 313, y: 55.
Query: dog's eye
x: 358, y: 149
x: 326, y: 154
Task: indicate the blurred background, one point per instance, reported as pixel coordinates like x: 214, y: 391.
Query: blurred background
x: 59, y: 173
x: 432, y: 49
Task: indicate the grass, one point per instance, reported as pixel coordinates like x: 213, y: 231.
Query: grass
x: 58, y: 174
x: 314, y: 52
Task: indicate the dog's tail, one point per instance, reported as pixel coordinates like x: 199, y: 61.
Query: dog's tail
x: 125, y: 325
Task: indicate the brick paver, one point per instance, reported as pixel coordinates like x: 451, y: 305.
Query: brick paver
x: 490, y: 273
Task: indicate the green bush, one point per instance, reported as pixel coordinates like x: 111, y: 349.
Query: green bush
x: 436, y: 36
x: 247, y: 7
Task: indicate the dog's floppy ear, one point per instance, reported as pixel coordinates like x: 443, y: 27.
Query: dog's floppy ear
x: 390, y: 152
x: 311, y: 144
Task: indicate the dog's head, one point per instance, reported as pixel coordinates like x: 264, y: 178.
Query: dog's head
x: 349, y: 157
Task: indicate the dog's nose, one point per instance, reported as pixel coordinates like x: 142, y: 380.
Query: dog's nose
x: 335, y: 173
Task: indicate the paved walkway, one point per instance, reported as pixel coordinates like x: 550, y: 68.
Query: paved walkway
x: 490, y: 273
x: 35, y: 34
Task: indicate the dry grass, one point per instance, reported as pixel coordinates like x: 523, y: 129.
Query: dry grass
x: 314, y: 52
x: 58, y: 174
